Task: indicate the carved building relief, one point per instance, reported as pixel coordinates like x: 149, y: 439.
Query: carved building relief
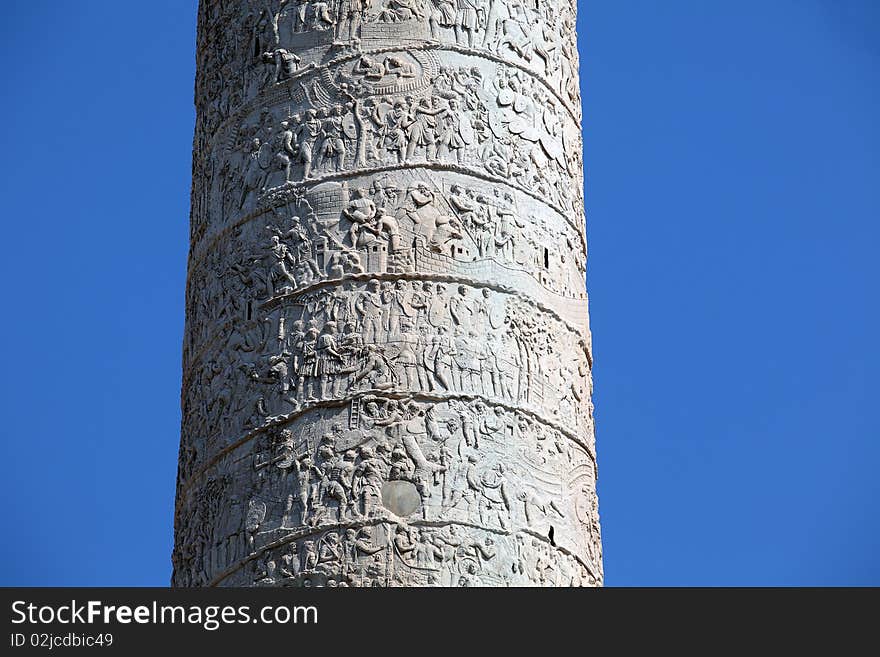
x: 387, y: 360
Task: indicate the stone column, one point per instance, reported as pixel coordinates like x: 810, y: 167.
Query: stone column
x: 387, y: 360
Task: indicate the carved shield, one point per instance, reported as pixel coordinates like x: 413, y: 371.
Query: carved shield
x: 531, y: 134
x: 287, y: 459
x: 382, y: 109
x: 517, y: 126
x: 467, y: 130
x: 520, y: 103
x: 400, y: 497
x: 582, y: 509
x: 505, y: 98
x: 553, y: 148
x: 497, y: 314
x: 497, y: 124
x: 264, y: 157
x: 256, y: 514
x: 349, y: 126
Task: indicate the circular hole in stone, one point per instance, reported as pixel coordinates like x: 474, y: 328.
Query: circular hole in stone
x: 400, y: 497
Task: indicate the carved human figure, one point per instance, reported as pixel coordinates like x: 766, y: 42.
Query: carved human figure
x: 285, y: 62
x: 394, y: 131
x: 437, y: 229
x: 329, y: 360
x: 442, y: 16
x: 460, y: 308
x: 369, y: 307
x: 307, y: 138
x: 361, y: 211
x: 398, y: 303
x: 254, y: 175
x: 309, y: 371
x: 350, y: 16
x: 334, y: 487
x: 421, y: 127
x: 333, y: 145
x: 470, y: 16
x: 322, y: 15
x: 309, y: 556
x: 409, y: 358
x: 451, y: 134
x: 375, y: 368
x: 443, y: 353
x: 279, y: 279
x: 388, y: 226
x: 308, y: 478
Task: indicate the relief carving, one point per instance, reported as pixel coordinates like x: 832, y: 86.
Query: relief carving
x: 387, y: 368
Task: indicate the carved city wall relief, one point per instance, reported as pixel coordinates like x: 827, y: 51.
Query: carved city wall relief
x: 250, y: 47
x: 399, y: 479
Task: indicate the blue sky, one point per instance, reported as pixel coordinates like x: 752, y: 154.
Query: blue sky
x: 733, y: 199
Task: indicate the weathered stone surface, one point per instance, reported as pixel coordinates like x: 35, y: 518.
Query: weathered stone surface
x: 387, y: 355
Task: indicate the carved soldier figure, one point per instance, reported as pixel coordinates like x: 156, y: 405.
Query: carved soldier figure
x: 450, y: 138
x: 461, y: 419
x: 421, y: 127
x: 395, y: 134
x: 322, y: 18
x: 309, y: 556
x: 375, y: 368
x: 387, y: 224
x: 306, y: 267
x: 463, y: 203
x: 369, y: 476
x: 285, y: 149
x: 371, y: 69
x: 460, y: 308
x: 350, y: 15
x: 309, y: 371
x: 439, y: 360
x: 354, y: 544
x: 333, y: 146
x: 470, y: 16
x: 410, y: 351
x: 308, y: 478
x: 333, y: 483
x: 443, y: 16
x: 419, y: 301
x: 254, y: 176
x: 286, y: 63
x: 490, y: 367
x: 279, y: 280
x: 398, y: 307
x: 437, y: 308
x: 308, y: 135
x: 267, y: 574
x: 360, y: 211
x: 369, y: 307
x: 299, y: 12
x: 329, y: 361
x: 436, y: 228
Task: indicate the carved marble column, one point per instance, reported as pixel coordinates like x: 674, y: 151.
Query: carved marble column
x: 386, y: 368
